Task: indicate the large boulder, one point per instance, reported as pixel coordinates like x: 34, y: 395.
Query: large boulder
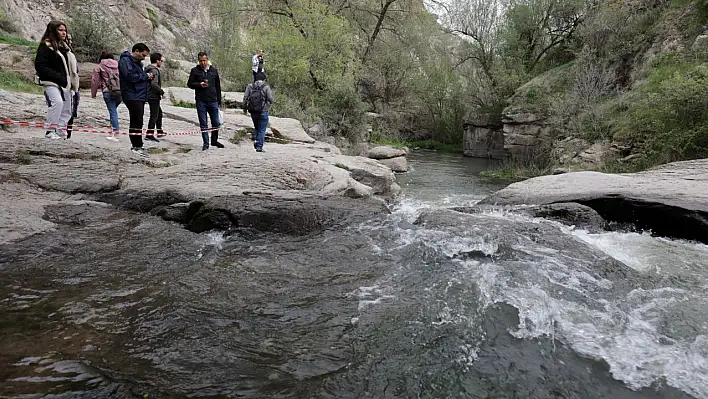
x: 386, y: 152
x: 397, y: 164
x: 671, y: 200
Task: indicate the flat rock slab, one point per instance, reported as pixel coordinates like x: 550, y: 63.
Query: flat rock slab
x: 670, y: 200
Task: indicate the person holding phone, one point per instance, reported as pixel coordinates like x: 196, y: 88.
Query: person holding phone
x: 204, y: 80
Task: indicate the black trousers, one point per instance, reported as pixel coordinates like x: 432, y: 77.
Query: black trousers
x: 155, y: 118
x: 136, y: 109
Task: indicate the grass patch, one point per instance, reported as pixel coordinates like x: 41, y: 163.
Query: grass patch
x: 152, y: 16
x: 23, y: 157
x: 181, y: 104
x: 16, y: 40
x: 341, y: 166
x: 12, y: 81
x: 184, y: 150
x: 157, y: 150
x: 240, y: 135
x: 538, y: 162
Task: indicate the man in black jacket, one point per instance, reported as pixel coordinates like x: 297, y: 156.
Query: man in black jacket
x: 155, y: 94
x: 204, y: 80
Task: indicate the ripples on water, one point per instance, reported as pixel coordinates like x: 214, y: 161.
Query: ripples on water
x: 423, y: 303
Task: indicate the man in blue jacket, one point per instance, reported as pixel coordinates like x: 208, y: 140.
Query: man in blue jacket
x: 134, y: 83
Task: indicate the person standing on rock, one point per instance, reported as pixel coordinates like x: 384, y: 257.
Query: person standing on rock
x: 75, y: 95
x: 155, y: 94
x: 257, y: 100
x: 134, y: 82
x: 55, y: 65
x: 204, y: 80
x: 106, y: 78
x: 257, y: 64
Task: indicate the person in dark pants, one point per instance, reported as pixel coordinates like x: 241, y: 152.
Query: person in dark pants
x: 155, y: 94
x: 257, y: 100
x: 134, y: 84
x: 204, y: 80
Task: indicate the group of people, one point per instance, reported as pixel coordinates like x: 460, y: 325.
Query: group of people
x: 127, y: 81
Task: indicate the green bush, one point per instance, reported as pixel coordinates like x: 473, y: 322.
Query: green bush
x: 669, y: 121
x: 92, y: 33
x: 342, y: 111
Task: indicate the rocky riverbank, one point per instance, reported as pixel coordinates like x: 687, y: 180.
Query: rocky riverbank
x: 293, y: 188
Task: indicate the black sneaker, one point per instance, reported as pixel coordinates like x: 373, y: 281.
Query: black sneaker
x: 152, y: 138
x: 205, y: 147
x: 217, y: 144
x: 260, y: 150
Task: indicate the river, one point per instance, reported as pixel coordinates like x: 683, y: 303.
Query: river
x: 422, y: 303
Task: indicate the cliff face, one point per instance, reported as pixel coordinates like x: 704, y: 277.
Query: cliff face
x: 174, y: 27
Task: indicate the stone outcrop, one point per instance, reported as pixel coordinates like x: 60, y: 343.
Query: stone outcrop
x: 171, y: 27
x: 523, y: 133
x: 397, y: 164
x: 482, y: 137
x: 36, y: 172
x: 394, y: 158
x: 671, y: 200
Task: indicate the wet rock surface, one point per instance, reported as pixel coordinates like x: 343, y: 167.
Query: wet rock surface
x: 671, y: 200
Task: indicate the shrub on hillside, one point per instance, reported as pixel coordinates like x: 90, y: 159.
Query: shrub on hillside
x: 342, y: 111
x: 670, y: 120
x: 92, y: 33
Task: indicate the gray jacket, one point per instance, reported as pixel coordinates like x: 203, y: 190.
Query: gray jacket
x: 155, y: 91
x: 266, y: 90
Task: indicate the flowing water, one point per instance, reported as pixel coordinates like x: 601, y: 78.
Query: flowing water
x: 423, y: 303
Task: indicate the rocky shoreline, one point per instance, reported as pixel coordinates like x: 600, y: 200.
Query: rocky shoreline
x: 293, y: 188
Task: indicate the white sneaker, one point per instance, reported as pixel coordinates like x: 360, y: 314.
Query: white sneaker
x: 61, y: 134
x: 112, y: 138
x: 139, y: 151
x: 52, y: 135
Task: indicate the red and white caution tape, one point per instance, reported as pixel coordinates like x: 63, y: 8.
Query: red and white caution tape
x: 99, y: 130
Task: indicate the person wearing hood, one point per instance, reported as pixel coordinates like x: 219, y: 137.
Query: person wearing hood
x: 134, y: 83
x: 56, y: 68
x: 105, y: 78
x: 155, y: 94
x: 204, y: 80
x: 257, y: 100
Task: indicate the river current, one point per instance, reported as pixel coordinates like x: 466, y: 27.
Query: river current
x: 425, y: 302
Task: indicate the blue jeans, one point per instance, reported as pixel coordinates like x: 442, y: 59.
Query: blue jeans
x: 112, y: 105
x: 212, y: 109
x: 260, y: 123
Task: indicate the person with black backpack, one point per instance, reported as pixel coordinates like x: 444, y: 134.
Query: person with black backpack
x: 105, y: 78
x: 257, y: 100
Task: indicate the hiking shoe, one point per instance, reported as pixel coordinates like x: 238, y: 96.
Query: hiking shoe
x: 52, y: 135
x: 139, y: 151
x: 205, y: 147
x: 152, y: 138
x: 217, y: 144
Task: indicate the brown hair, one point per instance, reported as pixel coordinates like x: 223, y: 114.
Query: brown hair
x: 50, y: 35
